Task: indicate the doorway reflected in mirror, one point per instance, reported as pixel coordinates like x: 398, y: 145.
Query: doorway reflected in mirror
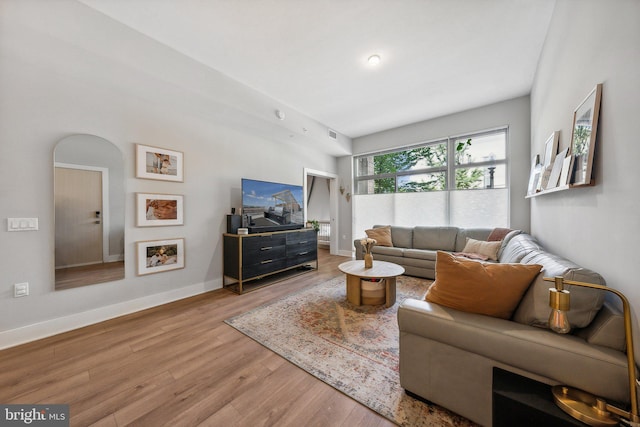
x: 89, y: 211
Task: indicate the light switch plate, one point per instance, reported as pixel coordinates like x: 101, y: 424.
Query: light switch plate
x: 22, y: 224
x: 21, y: 289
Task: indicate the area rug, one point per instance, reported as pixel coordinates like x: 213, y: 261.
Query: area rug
x: 353, y: 349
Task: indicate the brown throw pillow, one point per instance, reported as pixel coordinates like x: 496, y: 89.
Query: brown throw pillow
x: 488, y: 249
x: 498, y: 234
x: 490, y: 289
x: 381, y: 234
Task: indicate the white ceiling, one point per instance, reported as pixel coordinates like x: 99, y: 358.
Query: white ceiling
x: 438, y: 56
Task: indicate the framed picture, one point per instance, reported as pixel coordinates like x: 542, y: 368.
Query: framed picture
x: 156, y: 256
x: 534, y: 175
x: 556, y: 169
x: 159, y: 209
x: 583, y: 136
x: 550, y: 149
x: 159, y: 163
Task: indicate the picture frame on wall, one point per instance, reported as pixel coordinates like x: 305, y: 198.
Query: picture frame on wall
x: 159, y: 163
x: 157, y: 256
x: 550, y: 149
x: 153, y: 209
x: 583, y: 136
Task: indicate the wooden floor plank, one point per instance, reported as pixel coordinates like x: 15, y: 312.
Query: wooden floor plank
x: 179, y: 364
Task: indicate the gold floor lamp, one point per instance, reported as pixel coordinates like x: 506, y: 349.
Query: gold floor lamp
x: 581, y: 405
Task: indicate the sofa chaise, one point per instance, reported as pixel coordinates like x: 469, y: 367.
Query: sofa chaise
x: 447, y: 356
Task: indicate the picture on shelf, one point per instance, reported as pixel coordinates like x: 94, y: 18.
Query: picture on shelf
x: 159, y: 209
x: 534, y: 175
x: 583, y: 135
x: 156, y: 256
x: 159, y: 163
x: 556, y: 169
x: 550, y: 149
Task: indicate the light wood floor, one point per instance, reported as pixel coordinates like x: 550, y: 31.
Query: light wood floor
x: 179, y: 365
x: 72, y: 277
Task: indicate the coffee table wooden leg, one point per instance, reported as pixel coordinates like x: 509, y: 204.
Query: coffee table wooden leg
x: 354, y: 294
x: 390, y: 291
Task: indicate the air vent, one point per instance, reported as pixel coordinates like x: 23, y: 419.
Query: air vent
x: 333, y: 134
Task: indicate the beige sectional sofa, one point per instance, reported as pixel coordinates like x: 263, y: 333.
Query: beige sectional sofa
x: 447, y: 356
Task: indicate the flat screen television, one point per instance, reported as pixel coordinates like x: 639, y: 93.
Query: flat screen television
x: 272, y: 206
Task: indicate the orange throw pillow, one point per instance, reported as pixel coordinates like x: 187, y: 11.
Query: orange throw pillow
x: 381, y: 234
x: 490, y: 289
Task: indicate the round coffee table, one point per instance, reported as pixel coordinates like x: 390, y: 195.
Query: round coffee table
x: 355, y: 271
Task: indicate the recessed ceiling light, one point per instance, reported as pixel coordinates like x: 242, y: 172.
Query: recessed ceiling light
x: 373, y: 60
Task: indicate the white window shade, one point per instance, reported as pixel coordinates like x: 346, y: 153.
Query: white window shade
x: 402, y: 209
x: 480, y: 208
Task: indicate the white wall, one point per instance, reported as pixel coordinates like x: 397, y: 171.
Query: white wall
x: 512, y: 113
x: 67, y: 69
x: 318, y: 203
x: 590, y: 42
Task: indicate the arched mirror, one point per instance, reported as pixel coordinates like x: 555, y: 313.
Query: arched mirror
x: 89, y: 211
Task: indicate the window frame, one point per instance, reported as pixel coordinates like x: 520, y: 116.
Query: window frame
x: 449, y: 168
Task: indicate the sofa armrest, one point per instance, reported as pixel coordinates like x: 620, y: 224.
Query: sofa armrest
x: 522, y: 346
x: 359, y: 249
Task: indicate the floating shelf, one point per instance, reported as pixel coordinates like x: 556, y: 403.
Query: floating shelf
x: 560, y: 188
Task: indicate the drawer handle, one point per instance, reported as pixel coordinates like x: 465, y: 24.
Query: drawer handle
x: 266, y: 261
x: 266, y: 248
x: 303, y: 253
x: 304, y: 242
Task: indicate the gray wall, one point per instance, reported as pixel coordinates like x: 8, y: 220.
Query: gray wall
x: 590, y: 42
x: 513, y: 113
x: 318, y: 203
x: 66, y: 69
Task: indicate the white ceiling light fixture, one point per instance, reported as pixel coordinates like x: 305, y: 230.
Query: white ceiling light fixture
x: 374, y: 60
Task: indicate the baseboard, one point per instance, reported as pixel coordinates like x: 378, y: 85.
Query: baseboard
x: 346, y: 253
x: 36, y: 331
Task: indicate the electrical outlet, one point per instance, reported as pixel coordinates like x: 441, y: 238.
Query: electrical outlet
x: 20, y: 290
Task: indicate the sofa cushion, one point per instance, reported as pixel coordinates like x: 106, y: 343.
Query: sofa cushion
x: 435, y: 238
x: 506, y: 240
x: 490, y: 289
x: 386, y: 250
x: 534, y: 308
x: 472, y: 233
x: 518, y: 247
x: 421, y: 254
x: 607, y: 329
x: 402, y: 236
x: 382, y: 235
x: 479, y: 247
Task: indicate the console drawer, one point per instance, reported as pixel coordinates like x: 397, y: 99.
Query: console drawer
x: 301, y: 237
x: 252, y: 256
x: 301, y: 256
x: 262, y: 241
x: 265, y: 267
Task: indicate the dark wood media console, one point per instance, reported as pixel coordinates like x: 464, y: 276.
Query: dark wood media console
x: 250, y: 257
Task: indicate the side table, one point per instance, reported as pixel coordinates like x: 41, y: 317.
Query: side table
x: 523, y: 402
x: 355, y: 271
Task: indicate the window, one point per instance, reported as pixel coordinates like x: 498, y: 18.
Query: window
x: 479, y: 161
x: 468, y: 171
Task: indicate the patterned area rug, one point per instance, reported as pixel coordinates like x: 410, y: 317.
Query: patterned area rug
x: 353, y: 349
